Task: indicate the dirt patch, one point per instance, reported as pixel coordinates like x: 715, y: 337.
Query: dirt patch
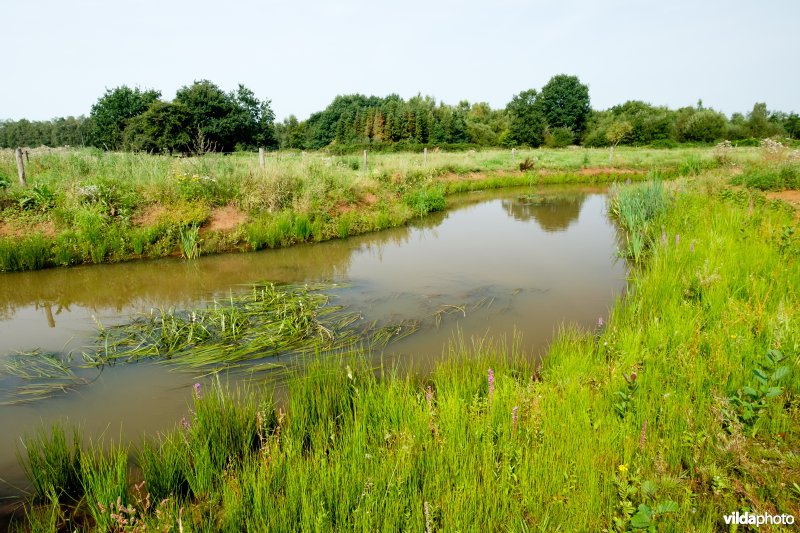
x: 369, y: 199
x: 791, y: 197
x: 149, y: 216
x: 48, y: 229
x: 225, y: 219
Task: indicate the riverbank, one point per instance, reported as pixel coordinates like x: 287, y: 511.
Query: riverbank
x: 85, y: 206
x: 678, y: 410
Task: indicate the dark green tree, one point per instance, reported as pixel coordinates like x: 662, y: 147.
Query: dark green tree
x: 565, y: 103
x: 112, y: 111
x: 163, y: 128
x: 526, y: 121
x: 792, y: 125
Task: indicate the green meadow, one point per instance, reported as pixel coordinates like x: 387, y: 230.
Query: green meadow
x: 682, y: 407
x: 89, y: 206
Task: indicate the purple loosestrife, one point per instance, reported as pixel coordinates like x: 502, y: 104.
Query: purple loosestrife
x: 490, y: 380
x: 600, y: 322
x: 677, y: 239
x: 429, y: 398
x: 198, y: 390
x: 514, y: 418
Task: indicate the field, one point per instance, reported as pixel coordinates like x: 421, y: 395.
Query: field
x: 680, y: 409
x: 88, y: 206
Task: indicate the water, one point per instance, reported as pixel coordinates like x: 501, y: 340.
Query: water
x: 498, y: 263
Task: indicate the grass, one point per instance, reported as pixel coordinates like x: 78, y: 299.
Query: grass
x: 87, y: 206
x: 264, y: 321
x: 681, y: 408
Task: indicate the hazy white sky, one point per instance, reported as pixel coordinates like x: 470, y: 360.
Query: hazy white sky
x: 60, y: 56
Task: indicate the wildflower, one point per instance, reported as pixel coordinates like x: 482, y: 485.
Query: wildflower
x: 514, y: 417
x: 185, y: 423
x: 429, y: 397
x: 623, y: 469
x: 198, y: 390
x: 490, y: 380
x: 600, y: 322
x: 677, y: 239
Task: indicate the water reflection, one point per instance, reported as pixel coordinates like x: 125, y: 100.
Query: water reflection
x: 553, y: 211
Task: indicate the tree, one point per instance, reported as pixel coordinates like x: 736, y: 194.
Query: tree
x: 615, y: 134
x: 526, y: 121
x: 704, y: 126
x: 565, y: 103
x: 164, y: 127
x: 112, y: 111
x: 228, y: 120
x: 792, y: 125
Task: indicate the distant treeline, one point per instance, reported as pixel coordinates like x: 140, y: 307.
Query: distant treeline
x: 203, y: 118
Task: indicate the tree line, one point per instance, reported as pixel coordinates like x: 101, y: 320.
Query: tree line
x: 202, y: 118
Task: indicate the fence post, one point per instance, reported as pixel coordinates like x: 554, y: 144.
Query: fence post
x: 20, y: 166
x: 261, y: 157
x: 513, y: 154
x: 365, y: 160
x: 425, y: 155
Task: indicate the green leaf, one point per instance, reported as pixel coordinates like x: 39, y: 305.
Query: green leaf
x: 643, y: 517
x: 781, y: 373
x: 775, y: 356
x: 760, y: 376
x: 773, y: 392
x: 748, y: 391
x: 667, y: 507
x: 648, y: 488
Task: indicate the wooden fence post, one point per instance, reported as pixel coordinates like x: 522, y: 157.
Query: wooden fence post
x: 20, y: 166
x: 513, y: 154
x: 365, y: 160
x: 425, y: 155
x: 261, y: 157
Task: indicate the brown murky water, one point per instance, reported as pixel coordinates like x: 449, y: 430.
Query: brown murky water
x: 513, y: 263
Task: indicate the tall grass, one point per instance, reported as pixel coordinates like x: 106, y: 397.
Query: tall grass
x: 100, y: 207
x: 638, y: 210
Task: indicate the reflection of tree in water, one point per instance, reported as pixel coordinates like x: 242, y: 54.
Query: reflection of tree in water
x: 554, y: 212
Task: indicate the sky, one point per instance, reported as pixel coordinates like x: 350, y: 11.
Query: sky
x: 61, y: 56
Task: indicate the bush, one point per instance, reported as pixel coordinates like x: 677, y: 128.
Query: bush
x: 769, y: 178
x: 424, y: 201
x: 559, y: 138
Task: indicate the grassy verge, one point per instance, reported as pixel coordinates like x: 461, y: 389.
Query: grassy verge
x: 681, y: 409
x: 85, y: 206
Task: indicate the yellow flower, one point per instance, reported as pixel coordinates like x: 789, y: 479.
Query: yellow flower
x: 623, y: 469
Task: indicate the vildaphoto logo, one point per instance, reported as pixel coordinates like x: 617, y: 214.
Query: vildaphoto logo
x: 752, y: 519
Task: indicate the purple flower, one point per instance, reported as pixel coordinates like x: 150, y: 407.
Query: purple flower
x: 185, y: 423
x: 600, y: 322
x: 490, y: 380
x: 677, y: 239
x: 198, y: 390
x: 514, y: 417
